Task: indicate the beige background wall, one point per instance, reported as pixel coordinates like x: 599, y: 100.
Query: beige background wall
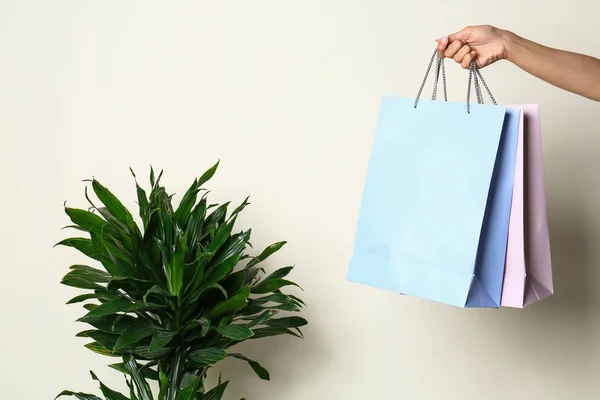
x: 286, y: 94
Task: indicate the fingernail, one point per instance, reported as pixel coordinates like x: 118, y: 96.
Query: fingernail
x: 473, y: 52
x: 445, y: 40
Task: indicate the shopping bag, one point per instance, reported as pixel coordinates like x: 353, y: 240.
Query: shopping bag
x: 513, y: 287
x: 528, y: 271
x: 433, y: 221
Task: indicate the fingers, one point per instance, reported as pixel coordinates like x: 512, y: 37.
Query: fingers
x: 468, y: 59
x: 462, y: 53
x: 455, y: 46
x: 449, y: 49
x: 442, y: 44
x: 453, y: 49
x: 448, y: 46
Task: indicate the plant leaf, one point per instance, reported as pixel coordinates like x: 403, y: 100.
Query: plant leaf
x: 89, y: 273
x: 115, y: 250
x: 296, y: 300
x: 276, y: 298
x: 208, y: 356
x: 188, y: 392
x: 271, y: 285
x: 235, y: 332
x: 74, y: 227
x: 195, y: 223
x: 117, y: 306
x: 80, y: 283
x: 177, y: 365
x: 206, y: 176
x: 195, y: 271
x: 273, y: 331
x: 146, y: 371
x: 168, y: 226
x: 140, y: 383
x: 133, y: 334
x: 142, y: 200
x: 107, y: 340
x: 231, y: 305
x: 163, y: 383
x: 229, y: 257
x: 221, y: 270
x: 131, y: 389
x: 80, y: 396
x: 213, y: 219
x: 215, y: 393
x: 280, y: 273
x: 253, y: 308
x: 250, y: 275
x: 152, y: 180
x: 220, y: 237
x: 86, y: 220
x: 108, y: 393
x: 88, y: 296
x: 156, y: 290
x: 234, y: 282
x: 205, y: 289
x: 83, y: 245
x: 99, y: 349
x: 234, y: 248
x: 259, y: 369
x: 176, y: 266
x: 202, y: 322
x: 143, y: 352
x: 114, y: 323
x: 182, y: 214
x: 262, y: 318
x: 160, y: 339
x: 266, y: 253
x: 239, y: 208
x: 84, y: 277
x: 111, y: 202
x: 288, y: 322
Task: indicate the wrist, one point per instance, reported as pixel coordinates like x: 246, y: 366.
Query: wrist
x: 512, y: 44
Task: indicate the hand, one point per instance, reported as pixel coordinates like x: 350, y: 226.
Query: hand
x: 483, y: 44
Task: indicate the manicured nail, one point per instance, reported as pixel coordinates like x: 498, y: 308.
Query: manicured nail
x: 444, y: 40
x: 473, y: 52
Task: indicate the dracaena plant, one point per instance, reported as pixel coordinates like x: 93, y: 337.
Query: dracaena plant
x: 172, y: 296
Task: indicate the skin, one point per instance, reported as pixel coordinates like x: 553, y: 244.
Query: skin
x: 576, y: 73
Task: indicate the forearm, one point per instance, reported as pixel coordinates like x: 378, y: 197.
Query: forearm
x: 573, y: 72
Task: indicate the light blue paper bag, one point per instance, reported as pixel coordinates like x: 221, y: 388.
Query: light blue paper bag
x: 436, y: 204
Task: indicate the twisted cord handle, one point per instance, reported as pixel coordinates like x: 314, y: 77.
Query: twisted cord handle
x: 439, y: 67
x: 475, y: 79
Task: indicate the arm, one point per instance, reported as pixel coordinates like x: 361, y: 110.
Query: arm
x: 576, y: 73
x: 573, y: 72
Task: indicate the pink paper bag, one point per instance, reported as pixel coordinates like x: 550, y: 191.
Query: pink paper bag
x: 528, y: 270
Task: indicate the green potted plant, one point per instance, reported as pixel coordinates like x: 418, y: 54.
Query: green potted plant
x: 173, y: 296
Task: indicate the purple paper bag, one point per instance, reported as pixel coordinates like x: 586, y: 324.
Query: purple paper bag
x: 528, y: 271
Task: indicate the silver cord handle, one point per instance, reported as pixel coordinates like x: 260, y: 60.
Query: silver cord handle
x: 475, y: 79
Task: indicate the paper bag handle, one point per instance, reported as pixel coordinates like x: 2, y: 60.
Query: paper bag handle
x: 474, y: 76
x: 439, y: 67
